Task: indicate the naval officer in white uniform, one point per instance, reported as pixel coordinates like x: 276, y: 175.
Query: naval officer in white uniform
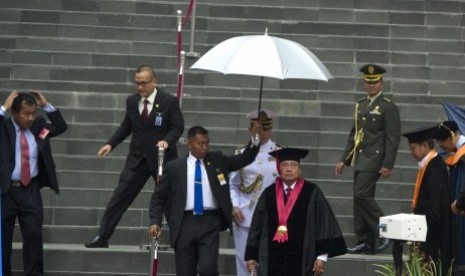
x: 248, y: 183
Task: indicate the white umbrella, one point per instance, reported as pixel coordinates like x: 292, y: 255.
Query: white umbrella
x: 265, y: 56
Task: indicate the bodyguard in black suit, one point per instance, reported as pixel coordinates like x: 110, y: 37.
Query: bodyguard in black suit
x: 194, y: 235
x: 26, y: 165
x: 154, y: 119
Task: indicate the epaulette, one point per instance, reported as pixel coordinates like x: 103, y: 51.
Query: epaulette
x: 362, y: 99
x: 240, y: 149
x: 387, y: 99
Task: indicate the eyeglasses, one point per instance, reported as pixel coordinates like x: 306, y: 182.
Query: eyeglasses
x: 142, y: 83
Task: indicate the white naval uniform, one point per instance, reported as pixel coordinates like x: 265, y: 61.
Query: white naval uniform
x: 265, y: 165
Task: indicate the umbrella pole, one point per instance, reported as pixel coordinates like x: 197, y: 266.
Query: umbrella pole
x: 260, y: 96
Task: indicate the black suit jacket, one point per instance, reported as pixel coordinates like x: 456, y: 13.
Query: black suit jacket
x: 145, y: 135
x: 170, y: 194
x: 47, y: 175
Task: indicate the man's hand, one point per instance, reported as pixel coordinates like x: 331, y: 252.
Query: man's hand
x: 385, y: 172
x: 255, y: 140
x: 162, y: 143
x: 318, y: 267
x: 104, y: 151
x: 454, y: 208
x: 154, y: 231
x: 9, y: 101
x: 40, y: 98
x: 252, y: 266
x: 339, y: 168
x: 237, y: 215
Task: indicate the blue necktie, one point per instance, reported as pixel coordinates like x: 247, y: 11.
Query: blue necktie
x: 198, y: 200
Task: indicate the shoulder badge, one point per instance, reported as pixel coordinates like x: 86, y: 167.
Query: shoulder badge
x: 362, y: 99
x: 386, y: 99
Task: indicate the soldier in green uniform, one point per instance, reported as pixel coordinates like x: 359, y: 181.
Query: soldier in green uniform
x: 371, y: 149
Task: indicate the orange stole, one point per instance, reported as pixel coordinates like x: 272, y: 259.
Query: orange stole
x: 452, y: 160
x: 419, y: 180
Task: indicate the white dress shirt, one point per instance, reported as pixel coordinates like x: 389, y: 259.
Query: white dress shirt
x: 151, y: 100
x: 209, y: 202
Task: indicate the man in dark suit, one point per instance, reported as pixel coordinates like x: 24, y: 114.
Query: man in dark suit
x: 371, y: 148
x: 26, y: 166
x: 154, y: 119
x: 194, y: 194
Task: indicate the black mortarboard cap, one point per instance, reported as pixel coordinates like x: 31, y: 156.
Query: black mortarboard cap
x: 445, y: 129
x: 420, y: 135
x: 289, y: 154
x: 372, y: 72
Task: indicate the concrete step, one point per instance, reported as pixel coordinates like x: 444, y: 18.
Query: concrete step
x: 94, y: 198
x: 131, y: 260
x: 77, y: 59
x: 312, y: 170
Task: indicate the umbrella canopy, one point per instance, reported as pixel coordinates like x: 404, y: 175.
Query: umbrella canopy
x: 455, y: 113
x: 263, y: 55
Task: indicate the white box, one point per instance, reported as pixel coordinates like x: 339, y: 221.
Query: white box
x: 407, y: 227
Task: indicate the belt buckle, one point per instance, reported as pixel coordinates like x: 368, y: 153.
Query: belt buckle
x: 15, y: 184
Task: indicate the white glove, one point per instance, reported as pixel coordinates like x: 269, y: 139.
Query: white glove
x: 255, y: 140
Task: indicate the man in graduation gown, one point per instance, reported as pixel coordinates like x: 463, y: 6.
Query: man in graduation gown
x: 452, y: 141
x: 293, y: 229
x: 431, y: 197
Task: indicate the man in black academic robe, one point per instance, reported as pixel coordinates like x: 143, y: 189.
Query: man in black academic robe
x: 431, y: 198
x: 452, y: 141
x: 312, y: 231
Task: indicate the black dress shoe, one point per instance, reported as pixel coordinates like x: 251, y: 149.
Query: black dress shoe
x: 383, y: 244
x: 97, y: 242
x: 361, y: 248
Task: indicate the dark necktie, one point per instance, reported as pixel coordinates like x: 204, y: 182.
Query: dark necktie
x: 287, y: 195
x: 145, y: 112
x: 366, y: 106
x: 198, y: 200
x: 25, y: 167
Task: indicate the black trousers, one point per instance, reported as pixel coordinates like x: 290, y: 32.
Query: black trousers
x: 196, y: 250
x: 24, y: 203
x: 130, y: 184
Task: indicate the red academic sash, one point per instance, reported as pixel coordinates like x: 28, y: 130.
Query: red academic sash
x: 284, y: 210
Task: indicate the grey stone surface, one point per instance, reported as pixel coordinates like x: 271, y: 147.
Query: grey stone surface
x: 406, y: 31
x: 443, y: 19
x: 436, y: 32
x: 82, y: 54
x: 399, y: 5
x: 407, y: 18
x: 440, y: 6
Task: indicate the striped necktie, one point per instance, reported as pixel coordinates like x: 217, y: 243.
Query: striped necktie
x: 25, y: 167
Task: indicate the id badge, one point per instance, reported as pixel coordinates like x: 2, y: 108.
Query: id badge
x: 158, y: 119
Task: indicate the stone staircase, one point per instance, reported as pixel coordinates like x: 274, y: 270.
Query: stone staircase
x: 82, y: 55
